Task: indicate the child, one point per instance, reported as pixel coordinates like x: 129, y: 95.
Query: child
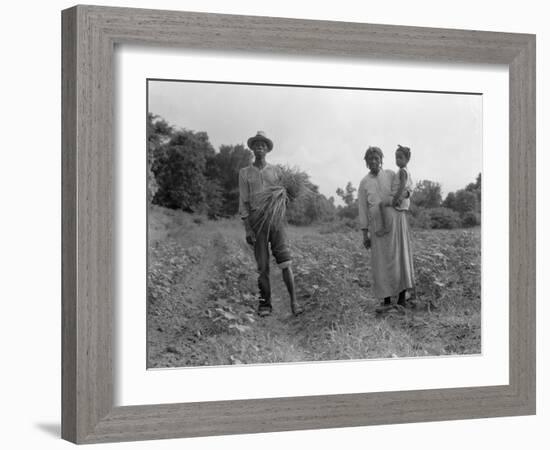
x: 401, y: 183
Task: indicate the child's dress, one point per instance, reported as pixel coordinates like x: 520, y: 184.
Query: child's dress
x: 406, y: 202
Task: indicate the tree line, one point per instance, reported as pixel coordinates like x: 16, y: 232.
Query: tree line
x: 461, y: 208
x: 186, y: 172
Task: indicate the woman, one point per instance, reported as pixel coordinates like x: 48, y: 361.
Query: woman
x: 392, y: 261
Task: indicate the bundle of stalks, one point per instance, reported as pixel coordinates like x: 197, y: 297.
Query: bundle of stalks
x: 272, y: 202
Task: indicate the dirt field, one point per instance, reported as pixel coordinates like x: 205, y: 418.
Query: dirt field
x: 202, y: 297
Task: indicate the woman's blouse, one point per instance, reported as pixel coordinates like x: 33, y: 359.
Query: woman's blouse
x: 372, y: 190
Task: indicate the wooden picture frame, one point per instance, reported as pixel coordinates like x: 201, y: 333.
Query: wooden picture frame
x: 89, y: 37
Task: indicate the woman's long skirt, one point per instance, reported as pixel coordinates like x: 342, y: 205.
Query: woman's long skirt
x: 391, y: 258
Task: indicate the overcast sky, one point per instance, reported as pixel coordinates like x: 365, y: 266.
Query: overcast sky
x: 325, y: 132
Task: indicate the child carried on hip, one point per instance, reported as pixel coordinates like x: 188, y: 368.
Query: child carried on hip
x: 402, y: 183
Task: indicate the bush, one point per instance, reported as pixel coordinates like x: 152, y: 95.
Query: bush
x: 213, y: 199
x: 306, y: 204
x: 434, y: 218
x: 224, y: 167
x: 462, y: 201
x: 444, y: 218
x: 349, y: 211
x: 339, y: 226
x: 420, y: 218
x: 471, y: 219
x: 427, y: 194
x: 309, y: 209
x: 179, y: 168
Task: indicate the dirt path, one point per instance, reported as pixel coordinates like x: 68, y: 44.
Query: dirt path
x: 166, y: 330
x: 280, y: 330
x: 194, y: 288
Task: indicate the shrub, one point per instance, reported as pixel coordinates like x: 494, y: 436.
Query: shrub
x: 420, y: 218
x: 427, y: 194
x: 351, y: 208
x: 434, y: 218
x: 224, y: 167
x: 213, y: 199
x: 339, y: 226
x: 471, y: 219
x: 462, y: 201
x: 179, y: 168
x: 306, y: 205
x: 349, y: 211
x: 444, y: 218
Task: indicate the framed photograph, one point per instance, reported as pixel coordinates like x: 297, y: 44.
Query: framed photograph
x: 278, y: 224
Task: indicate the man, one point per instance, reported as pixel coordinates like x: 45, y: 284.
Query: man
x: 252, y: 181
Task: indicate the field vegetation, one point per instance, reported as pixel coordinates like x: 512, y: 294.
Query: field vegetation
x: 202, y: 297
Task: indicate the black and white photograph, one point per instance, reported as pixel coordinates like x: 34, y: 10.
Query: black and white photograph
x: 291, y: 224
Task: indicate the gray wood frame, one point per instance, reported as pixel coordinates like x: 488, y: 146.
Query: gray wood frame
x: 89, y: 36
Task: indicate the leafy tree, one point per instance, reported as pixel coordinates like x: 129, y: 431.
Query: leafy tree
x: 310, y: 207
x: 467, y: 203
x: 351, y: 208
x: 471, y: 219
x: 324, y: 208
x: 450, y: 200
x: 213, y: 194
x: 179, y: 170
x: 347, y: 195
x: 224, y: 168
x: 462, y: 201
x: 158, y: 130
x: 476, y: 188
x: 420, y: 217
x: 427, y: 194
x: 158, y: 133
x: 444, y: 218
